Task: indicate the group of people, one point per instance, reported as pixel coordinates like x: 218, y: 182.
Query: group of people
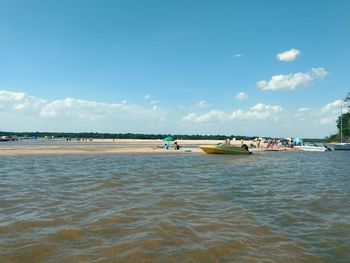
x: 281, y: 143
x: 80, y: 139
x: 272, y: 144
x: 176, y: 146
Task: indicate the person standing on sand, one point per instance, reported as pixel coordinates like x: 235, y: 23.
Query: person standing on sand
x: 177, y: 146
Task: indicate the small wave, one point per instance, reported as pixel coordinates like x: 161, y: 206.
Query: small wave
x: 65, y: 235
x: 29, y: 225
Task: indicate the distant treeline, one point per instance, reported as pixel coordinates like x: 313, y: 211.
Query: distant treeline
x: 96, y: 135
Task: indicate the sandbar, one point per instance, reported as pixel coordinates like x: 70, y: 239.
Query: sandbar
x: 108, y: 146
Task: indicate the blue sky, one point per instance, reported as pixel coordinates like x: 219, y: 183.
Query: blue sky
x: 174, y: 66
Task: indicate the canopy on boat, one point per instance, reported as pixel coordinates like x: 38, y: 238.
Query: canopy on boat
x: 298, y: 141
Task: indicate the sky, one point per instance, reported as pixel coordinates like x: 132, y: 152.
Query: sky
x: 266, y: 68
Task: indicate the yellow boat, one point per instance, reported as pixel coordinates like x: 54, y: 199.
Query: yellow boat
x: 225, y: 149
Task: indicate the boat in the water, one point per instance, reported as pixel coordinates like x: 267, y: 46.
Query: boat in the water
x: 341, y: 146
x: 311, y: 148
x: 225, y: 149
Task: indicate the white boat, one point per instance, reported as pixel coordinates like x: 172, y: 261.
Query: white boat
x: 311, y: 148
x: 341, y: 146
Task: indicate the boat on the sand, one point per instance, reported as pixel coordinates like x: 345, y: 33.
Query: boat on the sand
x: 225, y: 149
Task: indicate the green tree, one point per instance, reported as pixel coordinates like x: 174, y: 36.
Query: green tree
x: 345, y: 120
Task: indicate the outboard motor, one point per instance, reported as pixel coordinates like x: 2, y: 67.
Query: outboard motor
x: 245, y: 147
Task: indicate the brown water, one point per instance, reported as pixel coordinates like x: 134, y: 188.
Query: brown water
x: 268, y: 207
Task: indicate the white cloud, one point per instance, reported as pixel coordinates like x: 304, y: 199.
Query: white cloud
x: 292, y: 80
x: 202, y: 104
x: 19, y: 102
x: 318, y: 73
x: 241, y: 96
x: 258, y: 112
x: 326, y: 116
x: 237, y: 55
x: 21, y: 111
x: 10, y: 95
x: 19, y: 106
x: 303, y: 109
x: 289, y: 55
x: 70, y: 108
x: 332, y: 107
x: 331, y: 111
x: 206, y: 117
x: 153, y: 102
x: 328, y: 120
x: 301, y: 112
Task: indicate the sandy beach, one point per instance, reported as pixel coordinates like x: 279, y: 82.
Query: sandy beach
x: 117, y: 146
x: 99, y: 146
x: 106, y: 146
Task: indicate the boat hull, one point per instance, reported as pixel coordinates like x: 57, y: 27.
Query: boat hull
x: 341, y: 146
x: 220, y: 149
x: 311, y: 148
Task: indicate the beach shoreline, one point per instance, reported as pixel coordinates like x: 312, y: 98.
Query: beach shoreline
x: 100, y: 146
x: 110, y: 146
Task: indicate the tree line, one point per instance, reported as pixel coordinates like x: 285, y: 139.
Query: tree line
x: 97, y: 135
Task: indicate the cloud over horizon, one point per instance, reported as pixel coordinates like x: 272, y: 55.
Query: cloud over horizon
x: 258, y: 112
x: 70, y: 108
x: 292, y: 81
x: 330, y: 112
x: 21, y: 111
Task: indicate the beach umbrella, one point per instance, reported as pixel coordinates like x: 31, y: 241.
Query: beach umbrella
x: 169, y: 139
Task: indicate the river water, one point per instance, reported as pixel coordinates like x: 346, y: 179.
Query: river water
x: 267, y: 207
